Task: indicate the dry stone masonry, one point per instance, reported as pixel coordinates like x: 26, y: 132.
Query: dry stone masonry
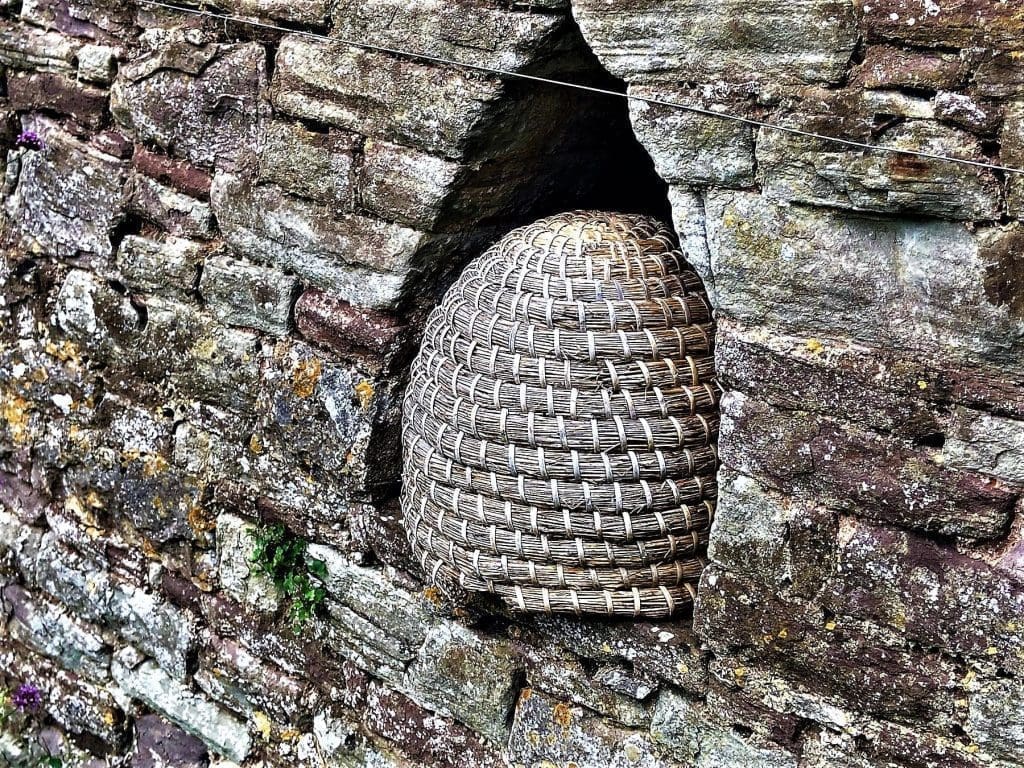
x: 219, y: 249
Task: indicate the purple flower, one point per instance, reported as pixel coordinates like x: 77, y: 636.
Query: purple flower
x: 27, y: 697
x: 29, y: 140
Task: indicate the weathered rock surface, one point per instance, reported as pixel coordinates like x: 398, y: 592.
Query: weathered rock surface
x: 807, y: 41
x: 67, y: 199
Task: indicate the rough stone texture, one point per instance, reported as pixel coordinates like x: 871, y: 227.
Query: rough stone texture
x: 204, y: 183
x: 547, y: 731
x: 67, y: 199
x: 807, y: 41
x: 809, y: 171
x: 201, y: 103
x: 216, y: 728
x: 161, y: 745
x: 475, y: 680
x: 234, y: 567
x: 248, y: 295
x: 363, y: 260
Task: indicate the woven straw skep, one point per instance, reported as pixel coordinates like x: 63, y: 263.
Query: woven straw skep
x: 561, y: 422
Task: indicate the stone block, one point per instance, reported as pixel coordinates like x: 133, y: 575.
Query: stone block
x: 808, y: 41
x: 169, y: 266
x: 994, y: 722
x: 999, y: 76
x: 935, y: 596
x: 141, y: 618
x: 172, y: 211
x: 887, y: 66
x: 802, y: 170
x: 689, y: 148
x: 563, y: 677
x: 97, y: 64
x: 252, y: 296
x: 402, y: 615
x: 57, y: 93
x: 107, y: 21
x: 483, y: 35
x: 200, y: 104
x: 160, y: 744
x: 68, y: 198
x: 178, y: 174
x: 547, y: 731
x: 779, y: 540
x: 364, y: 261
x: 470, y: 678
x: 695, y: 734
x: 220, y: 731
x: 842, y: 467
x: 860, y: 667
x: 233, y: 676
x: 665, y: 650
x: 988, y: 444
x: 957, y: 24
x: 434, y: 109
x: 376, y: 340
x: 306, y: 12
x: 318, y: 166
x: 29, y: 48
x: 74, y: 644
x: 425, y: 738
x: 887, y: 283
x: 238, y: 576
x: 406, y: 185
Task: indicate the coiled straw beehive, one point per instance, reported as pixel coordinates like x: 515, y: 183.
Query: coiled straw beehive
x: 561, y: 422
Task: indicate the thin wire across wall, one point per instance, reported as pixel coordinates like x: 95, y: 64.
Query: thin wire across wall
x: 202, y: 12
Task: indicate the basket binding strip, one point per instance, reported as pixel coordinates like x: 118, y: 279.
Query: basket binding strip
x: 561, y: 422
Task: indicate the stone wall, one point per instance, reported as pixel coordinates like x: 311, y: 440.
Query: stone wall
x: 215, y: 270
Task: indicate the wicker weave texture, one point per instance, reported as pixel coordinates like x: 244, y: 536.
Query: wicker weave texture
x: 561, y: 422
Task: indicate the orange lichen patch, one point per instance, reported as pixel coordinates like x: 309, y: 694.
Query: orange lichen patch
x: 92, y: 499
x: 305, y: 377
x: 525, y: 694
x: 14, y: 410
x: 562, y: 714
x: 814, y: 346
x: 364, y: 391
x: 199, y: 521
x: 149, y: 550
x: 256, y: 444
x: 433, y: 595
x: 66, y: 351
x: 153, y: 464
x: 39, y: 375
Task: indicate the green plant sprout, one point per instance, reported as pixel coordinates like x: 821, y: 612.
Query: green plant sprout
x: 297, y: 576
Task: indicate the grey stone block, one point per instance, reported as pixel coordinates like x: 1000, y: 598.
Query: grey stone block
x: 220, y: 731
x: 252, y: 296
x: 46, y: 629
x: 238, y: 577
x: 695, y: 735
x: 68, y: 198
x: 548, y: 731
x: 97, y: 64
x: 459, y: 673
x: 434, y: 109
x: 169, y: 266
x: 803, y: 170
x: 318, y: 166
x: 201, y: 103
x: 686, y: 40
x: 689, y: 148
x: 362, y: 260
